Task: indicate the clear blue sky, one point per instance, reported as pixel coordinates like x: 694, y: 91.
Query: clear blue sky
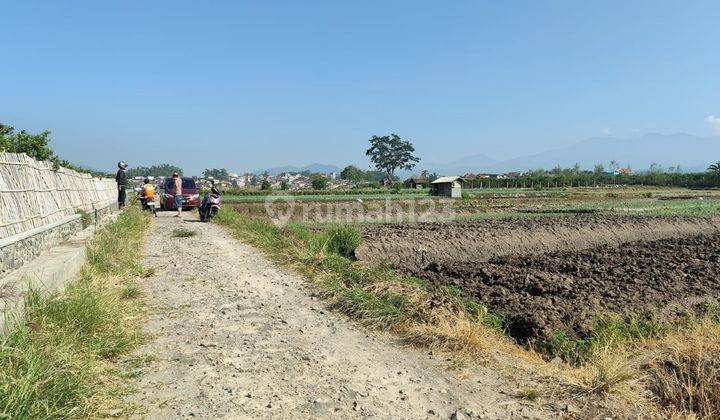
x: 247, y: 85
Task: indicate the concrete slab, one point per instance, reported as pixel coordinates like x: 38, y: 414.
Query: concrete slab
x: 52, y: 270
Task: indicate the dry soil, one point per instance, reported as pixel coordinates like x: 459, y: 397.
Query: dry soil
x: 234, y: 336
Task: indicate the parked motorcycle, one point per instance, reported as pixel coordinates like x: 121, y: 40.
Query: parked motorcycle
x: 210, y: 205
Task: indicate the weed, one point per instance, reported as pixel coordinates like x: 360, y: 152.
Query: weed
x: 130, y: 290
x: 183, y: 233
x: 343, y: 239
x: 86, y: 219
x: 530, y: 394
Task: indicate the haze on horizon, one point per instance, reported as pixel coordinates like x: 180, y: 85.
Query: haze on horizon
x: 249, y: 85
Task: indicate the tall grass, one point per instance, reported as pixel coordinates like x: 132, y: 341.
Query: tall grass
x: 55, y: 360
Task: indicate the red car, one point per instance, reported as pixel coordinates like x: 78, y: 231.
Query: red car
x: 189, y: 191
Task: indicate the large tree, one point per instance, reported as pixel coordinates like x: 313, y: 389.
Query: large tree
x: 390, y: 153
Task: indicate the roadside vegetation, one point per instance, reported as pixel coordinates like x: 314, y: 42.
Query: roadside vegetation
x: 63, y: 358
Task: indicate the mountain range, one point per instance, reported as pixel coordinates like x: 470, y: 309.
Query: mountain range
x: 691, y: 153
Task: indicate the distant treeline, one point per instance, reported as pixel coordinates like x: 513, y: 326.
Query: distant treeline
x: 585, y: 179
x: 352, y: 191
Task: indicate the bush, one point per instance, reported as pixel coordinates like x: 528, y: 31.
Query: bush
x: 343, y: 239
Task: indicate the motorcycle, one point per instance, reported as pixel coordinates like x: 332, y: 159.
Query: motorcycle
x: 210, y: 205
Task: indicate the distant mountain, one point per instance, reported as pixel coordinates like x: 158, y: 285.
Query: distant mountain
x: 692, y: 153
x: 315, y: 167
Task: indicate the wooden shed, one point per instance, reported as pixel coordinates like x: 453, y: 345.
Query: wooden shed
x: 448, y: 186
x: 417, y: 182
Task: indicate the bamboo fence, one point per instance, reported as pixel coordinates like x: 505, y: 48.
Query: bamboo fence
x: 33, y: 194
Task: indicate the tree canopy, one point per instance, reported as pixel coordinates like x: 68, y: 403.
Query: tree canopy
x: 715, y: 169
x: 157, y: 171
x: 319, y: 182
x: 390, y: 153
x: 36, y: 146
x: 219, y: 174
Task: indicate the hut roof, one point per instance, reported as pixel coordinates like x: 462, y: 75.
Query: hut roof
x: 447, y: 179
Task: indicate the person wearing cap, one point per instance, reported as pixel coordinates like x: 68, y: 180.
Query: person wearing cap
x: 177, y: 192
x: 121, y: 180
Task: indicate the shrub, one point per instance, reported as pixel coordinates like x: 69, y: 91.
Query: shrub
x: 343, y: 239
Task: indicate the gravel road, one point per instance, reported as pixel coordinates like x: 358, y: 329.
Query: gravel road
x: 235, y: 336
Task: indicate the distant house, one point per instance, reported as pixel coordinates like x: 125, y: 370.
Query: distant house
x: 513, y: 175
x: 623, y: 171
x: 448, y: 186
x: 417, y: 182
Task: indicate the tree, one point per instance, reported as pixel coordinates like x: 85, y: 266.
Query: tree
x: 319, y: 182
x: 655, y: 168
x: 715, y: 169
x: 390, y: 153
x: 284, y: 185
x: 162, y: 170
x: 614, y: 165
x: 265, y: 185
x: 599, y: 169
x: 34, y: 145
x: 218, y: 174
x: 352, y: 173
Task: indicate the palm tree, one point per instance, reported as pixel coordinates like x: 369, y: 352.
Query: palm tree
x: 715, y: 168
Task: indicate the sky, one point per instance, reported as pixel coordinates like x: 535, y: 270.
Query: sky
x: 253, y: 84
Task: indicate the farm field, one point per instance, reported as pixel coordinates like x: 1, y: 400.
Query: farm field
x: 610, y: 293
x: 483, y: 204
x: 547, y: 276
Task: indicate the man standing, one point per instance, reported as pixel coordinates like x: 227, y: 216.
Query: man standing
x: 121, y: 180
x: 177, y: 192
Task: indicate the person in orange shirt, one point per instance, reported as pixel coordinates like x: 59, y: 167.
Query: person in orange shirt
x: 147, y: 196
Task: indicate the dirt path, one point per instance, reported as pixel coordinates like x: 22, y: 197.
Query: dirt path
x: 236, y: 337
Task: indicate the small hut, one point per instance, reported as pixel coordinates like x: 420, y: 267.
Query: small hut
x: 417, y: 182
x: 448, y: 186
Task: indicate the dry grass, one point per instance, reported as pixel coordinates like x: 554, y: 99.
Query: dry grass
x: 456, y: 333
x: 685, y: 372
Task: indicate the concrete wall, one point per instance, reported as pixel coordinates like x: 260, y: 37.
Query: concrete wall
x: 39, y: 205
x: 18, y: 250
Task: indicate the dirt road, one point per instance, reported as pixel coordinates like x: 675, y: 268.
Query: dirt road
x: 234, y: 336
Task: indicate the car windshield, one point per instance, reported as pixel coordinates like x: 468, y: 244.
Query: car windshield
x: 187, y: 184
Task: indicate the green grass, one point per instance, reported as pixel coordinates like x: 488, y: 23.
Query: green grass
x: 183, y: 233
x: 54, y: 361
x: 607, y: 331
